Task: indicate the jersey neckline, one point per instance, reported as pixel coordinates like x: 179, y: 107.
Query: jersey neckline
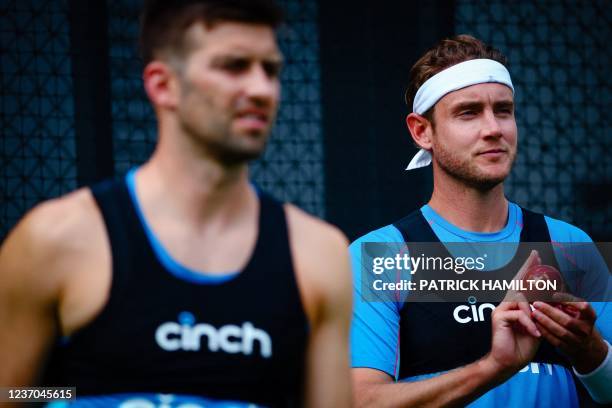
x: 170, y: 264
x: 513, y: 220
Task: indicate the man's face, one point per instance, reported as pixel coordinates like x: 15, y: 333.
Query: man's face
x: 475, y: 135
x: 229, y: 89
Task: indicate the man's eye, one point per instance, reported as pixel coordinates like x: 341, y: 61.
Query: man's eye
x: 272, y: 69
x: 236, y: 65
x: 467, y: 113
x: 503, y: 112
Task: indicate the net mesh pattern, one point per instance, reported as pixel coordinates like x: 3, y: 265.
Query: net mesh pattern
x: 559, y: 57
x: 37, y: 147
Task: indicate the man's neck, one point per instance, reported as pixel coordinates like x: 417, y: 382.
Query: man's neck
x: 468, y: 208
x: 194, y: 188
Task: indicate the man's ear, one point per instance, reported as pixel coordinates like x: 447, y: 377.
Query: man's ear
x: 420, y: 129
x: 161, y: 85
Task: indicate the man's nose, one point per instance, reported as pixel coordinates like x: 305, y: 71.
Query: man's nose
x: 491, y: 126
x: 261, y: 86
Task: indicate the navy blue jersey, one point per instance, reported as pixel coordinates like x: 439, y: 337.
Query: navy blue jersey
x: 170, y: 336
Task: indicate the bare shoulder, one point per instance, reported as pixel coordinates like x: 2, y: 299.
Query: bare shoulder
x: 51, y: 232
x: 320, y: 254
x: 314, y: 233
x: 59, y: 223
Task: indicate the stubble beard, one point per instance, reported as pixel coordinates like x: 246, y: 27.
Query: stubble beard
x: 215, y: 137
x: 219, y: 143
x: 466, y: 171
x: 231, y: 152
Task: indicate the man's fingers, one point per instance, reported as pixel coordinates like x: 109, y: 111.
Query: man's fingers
x: 506, y: 305
x: 517, y: 313
x: 548, y: 336
x: 519, y: 317
x: 554, y: 328
x: 524, y: 307
x: 579, y: 320
x: 552, y: 312
x: 575, y: 306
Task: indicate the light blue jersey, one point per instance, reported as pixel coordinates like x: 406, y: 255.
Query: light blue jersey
x: 376, y: 325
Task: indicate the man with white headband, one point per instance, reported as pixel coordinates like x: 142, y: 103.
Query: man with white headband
x: 436, y: 354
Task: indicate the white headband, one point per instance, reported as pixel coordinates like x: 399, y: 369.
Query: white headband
x: 464, y: 74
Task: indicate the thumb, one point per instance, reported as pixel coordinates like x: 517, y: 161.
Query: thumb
x: 532, y: 260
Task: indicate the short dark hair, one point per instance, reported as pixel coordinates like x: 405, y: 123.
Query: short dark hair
x: 448, y: 52
x: 163, y: 22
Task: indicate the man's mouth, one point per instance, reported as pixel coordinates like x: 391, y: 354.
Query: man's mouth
x: 492, y: 153
x: 253, y: 119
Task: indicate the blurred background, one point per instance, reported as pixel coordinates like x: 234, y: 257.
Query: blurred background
x: 73, y: 110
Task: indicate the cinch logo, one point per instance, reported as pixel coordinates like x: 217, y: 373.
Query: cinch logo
x: 466, y: 314
x: 187, y: 336
x: 172, y: 401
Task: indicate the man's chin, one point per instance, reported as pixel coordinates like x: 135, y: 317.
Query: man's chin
x: 476, y: 177
x: 240, y: 154
x: 486, y: 184
x: 485, y: 181
x: 232, y: 158
x: 240, y: 148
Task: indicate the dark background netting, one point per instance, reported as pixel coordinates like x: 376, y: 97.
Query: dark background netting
x: 37, y: 149
x: 134, y: 125
x: 291, y: 167
x: 560, y: 60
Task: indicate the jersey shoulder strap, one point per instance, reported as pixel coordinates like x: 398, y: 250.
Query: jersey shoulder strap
x: 415, y: 228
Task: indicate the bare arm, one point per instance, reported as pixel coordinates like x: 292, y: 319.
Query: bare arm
x: 27, y: 301
x: 323, y: 267
x: 41, y: 296
x: 455, y: 388
x: 515, y: 340
x: 328, y: 356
